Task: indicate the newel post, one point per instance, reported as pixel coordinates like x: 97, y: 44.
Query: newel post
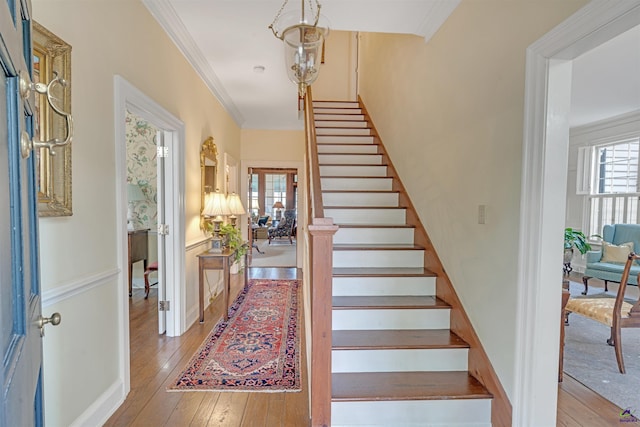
x: 321, y: 248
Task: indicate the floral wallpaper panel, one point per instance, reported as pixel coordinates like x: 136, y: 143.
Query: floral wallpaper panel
x: 142, y: 170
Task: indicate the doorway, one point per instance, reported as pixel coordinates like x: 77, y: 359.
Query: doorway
x: 272, y: 198
x: 546, y: 130
x: 170, y: 137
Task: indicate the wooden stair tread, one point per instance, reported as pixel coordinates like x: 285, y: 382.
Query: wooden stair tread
x: 396, y: 339
x: 362, y: 191
x: 369, y: 225
x: 377, y: 386
x: 364, y: 207
x: 383, y: 272
x: 377, y: 247
x: 388, y: 302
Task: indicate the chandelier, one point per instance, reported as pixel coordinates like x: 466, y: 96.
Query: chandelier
x: 303, y: 39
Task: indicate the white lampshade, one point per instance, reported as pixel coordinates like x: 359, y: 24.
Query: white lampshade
x: 134, y: 193
x: 216, y: 205
x: 235, y: 204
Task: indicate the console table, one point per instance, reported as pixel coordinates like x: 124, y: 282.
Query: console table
x: 138, y: 251
x: 217, y: 261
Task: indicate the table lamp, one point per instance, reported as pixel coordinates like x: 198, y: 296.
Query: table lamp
x: 134, y: 195
x: 235, y: 206
x: 277, y: 206
x: 216, y: 207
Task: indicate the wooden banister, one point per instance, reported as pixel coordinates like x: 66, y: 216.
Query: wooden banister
x: 320, y: 253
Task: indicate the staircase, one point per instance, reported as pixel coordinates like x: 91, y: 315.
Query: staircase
x: 395, y: 361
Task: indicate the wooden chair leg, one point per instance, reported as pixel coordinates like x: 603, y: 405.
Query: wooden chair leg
x: 585, y: 280
x: 615, y: 333
x: 146, y: 284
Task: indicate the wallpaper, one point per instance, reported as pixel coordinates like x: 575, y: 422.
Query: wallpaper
x: 141, y: 170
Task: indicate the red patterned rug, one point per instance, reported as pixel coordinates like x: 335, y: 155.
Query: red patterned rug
x: 257, y: 349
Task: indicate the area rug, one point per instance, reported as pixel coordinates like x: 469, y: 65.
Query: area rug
x: 280, y: 253
x: 590, y: 360
x: 257, y: 349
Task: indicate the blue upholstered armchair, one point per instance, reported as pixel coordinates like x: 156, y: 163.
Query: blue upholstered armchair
x: 606, y: 263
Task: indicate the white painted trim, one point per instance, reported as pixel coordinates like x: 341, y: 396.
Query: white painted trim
x: 438, y: 12
x: 540, y: 220
x: 168, y: 19
x: 604, y: 125
x: 102, y: 408
x: 77, y: 287
x: 128, y: 97
x: 197, y: 243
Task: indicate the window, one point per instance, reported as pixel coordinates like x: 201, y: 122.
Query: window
x: 615, y: 187
x: 275, y: 191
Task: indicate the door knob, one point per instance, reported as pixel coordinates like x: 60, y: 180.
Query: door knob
x: 55, y: 320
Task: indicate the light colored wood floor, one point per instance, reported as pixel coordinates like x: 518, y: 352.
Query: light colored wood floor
x: 156, y: 360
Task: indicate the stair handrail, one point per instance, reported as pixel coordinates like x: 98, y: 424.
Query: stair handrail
x: 320, y: 266
x: 313, y: 166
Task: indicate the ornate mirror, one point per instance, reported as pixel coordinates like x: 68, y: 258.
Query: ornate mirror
x: 208, y: 171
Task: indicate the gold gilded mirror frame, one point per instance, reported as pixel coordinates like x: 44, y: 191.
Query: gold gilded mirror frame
x: 208, y: 173
x: 51, y: 54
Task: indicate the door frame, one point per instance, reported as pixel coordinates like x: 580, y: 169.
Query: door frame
x: 543, y: 199
x: 267, y: 164
x: 128, y: 97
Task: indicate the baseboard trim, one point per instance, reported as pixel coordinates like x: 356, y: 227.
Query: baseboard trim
x: 102, y: 408
x: 77, y: 287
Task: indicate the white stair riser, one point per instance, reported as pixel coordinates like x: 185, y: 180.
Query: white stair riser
x: 342, y: 131
x: 340, y: 123
x: 405, y: 413
x: 375, y: 319
x: 378, y: 258
x: 344, y: 139
x: 367, y: 184
x: 348, y: 149
x: 319, y: 115
x: 336, y: 104
x: 353, y: 170
x: 360, y: 199
x: 399, y: 360
x: 367, y: 216
x: 337, y: 110
x: 350, y: 159
x: 382, y: 236
x: 383, y: 286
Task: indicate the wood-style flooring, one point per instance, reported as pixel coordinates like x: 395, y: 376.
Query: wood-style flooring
x: 156, y: 360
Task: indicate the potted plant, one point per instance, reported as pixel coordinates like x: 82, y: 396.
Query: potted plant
x: 575, y: 239
x: 232, y: 239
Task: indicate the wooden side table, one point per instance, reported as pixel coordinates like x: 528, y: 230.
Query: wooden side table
x: 217, y: 261
x: 563, y: 316
x: 138, y: 251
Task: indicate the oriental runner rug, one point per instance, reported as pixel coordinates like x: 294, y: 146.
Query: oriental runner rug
x: 257, y: 349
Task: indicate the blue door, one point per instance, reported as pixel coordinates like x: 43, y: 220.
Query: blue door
x: 20, y: 303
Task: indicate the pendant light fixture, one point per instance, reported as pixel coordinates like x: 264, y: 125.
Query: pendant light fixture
x: 303, y: 35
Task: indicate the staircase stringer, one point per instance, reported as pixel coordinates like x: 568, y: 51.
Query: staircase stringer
x: 479, y: 364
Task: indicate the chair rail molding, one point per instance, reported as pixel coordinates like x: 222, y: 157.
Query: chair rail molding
x: 541, y: 222
x: 77, y: 287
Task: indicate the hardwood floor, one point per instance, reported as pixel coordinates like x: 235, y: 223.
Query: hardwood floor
x: 579, y: 406
x: 156, y: 360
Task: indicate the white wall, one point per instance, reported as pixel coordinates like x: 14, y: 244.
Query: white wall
x: 450, y: 113
x: 81, y: 275
x: 626, y: 125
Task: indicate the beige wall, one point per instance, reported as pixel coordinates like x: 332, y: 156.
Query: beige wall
x: 337, y: 79
x: 272, y: 145
x: 450, y: 112
x: 109, y: 38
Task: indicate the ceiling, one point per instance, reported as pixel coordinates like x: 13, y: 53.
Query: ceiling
x: 225, y: 39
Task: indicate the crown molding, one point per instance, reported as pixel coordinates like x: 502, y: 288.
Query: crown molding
x: 166, y: 16
x: 435, y: 17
